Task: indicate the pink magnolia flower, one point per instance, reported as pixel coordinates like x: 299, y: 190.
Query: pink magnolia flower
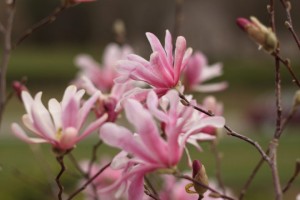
x: 102, y: 77
x: 298, y: 197
x: 163, y: 70
x: 148, y: 150
x: 108, y: 103
x: 61, y: 123
x: 198, y: 71
x: 176, y: 117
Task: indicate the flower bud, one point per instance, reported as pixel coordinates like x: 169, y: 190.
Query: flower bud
x: 297, y: 98
x: 199, y: 174
x: 262, y: 35
x: 18, y: 88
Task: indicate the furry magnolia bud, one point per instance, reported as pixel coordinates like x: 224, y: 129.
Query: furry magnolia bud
x: 199, y: 174
x: 297, y: 99
x: 262, y: 35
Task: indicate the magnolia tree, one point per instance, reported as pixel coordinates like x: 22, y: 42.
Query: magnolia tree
x: 153, y: 95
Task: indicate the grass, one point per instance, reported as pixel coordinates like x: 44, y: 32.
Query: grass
x: 27, y: 172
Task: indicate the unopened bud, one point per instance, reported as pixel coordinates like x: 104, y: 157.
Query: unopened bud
x: 262, y: 35
x: 18, y: 88
x: 199, y: 174
x: 297, y: 98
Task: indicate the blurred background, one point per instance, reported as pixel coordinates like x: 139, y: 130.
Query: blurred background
x: 46, y: 59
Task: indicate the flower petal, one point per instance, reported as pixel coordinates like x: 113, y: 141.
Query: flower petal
x: 19, y: 132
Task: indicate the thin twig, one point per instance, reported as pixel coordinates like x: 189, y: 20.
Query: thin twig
x: 149, y: 184
x: 292, y: 179
x: 47, y: 20
x: 94, y: 156
x: 287, y: 64
x: 274, y: 142
x: 217, y: 156
x: 261, y: 161
x: 88, y: 181
x: 203, y: 185
x: 60, y: 160
x: 228, y: 129
x: 289, y: 23
x: 151, y: 195
x: 10, y: 10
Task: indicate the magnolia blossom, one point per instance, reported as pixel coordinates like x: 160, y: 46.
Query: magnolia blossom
x: 198, y: 71
x: 147, y: 149
x: 175, y: 117
x: 163, y: 70
x: 108, y: 103
x: 102, y: 77
x: 298, y: 197
x: 60, y: 125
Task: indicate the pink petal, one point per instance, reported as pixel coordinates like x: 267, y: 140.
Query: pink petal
x: 211, y: 72
x: 179, y: 54
x: 28, y: 101
x: 70, y: 114
x: 55, y: 111
x: 212, y: 87
x: 156, y: 46
x: 169, y: 46
x: 68, y: 138
x: 146, y: 128
x: 92, y: 127
x: 86, y: 107
x: 122, y: 138
x: 136, y: 188
x: 19, y: 132
x: 152, y: 103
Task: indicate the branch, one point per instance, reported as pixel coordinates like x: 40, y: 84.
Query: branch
x: 289, y: 24
x: 60, y: 160
x: 292, y: 179
x: 228, y: 129
x: 287, y: 64
x: 47, y: 20
x: 88, y: 182
x: 274, y: 143
x: 204, y: 186
x: 10, y: 10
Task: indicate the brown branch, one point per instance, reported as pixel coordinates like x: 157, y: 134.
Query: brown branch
x: 94, y: 156
x: 2, y: 28
x: 292, y: 179
x: 47, y: 20
x: 287, y: 64
x: 7, y: 32
x: 203, y: 185
x: 261, y: 161
x: 274, y: 142
x: 60, y: 160
x: 151, y: 187
x: 88, y: 182
x: 289, y: 23
x: 228, y: 129
x: 151, y: 195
